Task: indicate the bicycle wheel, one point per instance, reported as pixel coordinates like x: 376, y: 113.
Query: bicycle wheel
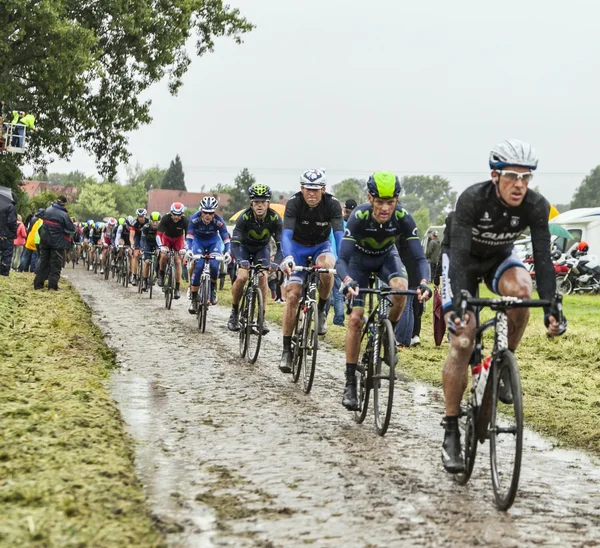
x: 470, y: 446
x: 96, y: 262
x: 384, y: 375
x: 296, y: 343
x: 243, y: 318
x: 169, y: 287
x: 107, y: 266
x: 254, y: 325
x: 364, y: 380
x: 506, y: 432
x: 204, y: 295
x: 125, y: 271
x: 310, y: 346
x: 151, y: 278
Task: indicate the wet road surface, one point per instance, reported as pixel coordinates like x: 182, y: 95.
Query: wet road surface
x: 236, y: 455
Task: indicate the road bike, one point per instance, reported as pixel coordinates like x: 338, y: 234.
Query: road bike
x: 494, y: 407
x: 97, y: 257
x: 152, y: 270
x: 376, y: 368
x: 204, y: 291
x: 124, y: 266
x: 305, y: 338
x: 169, y: 285
x: 252, y: 309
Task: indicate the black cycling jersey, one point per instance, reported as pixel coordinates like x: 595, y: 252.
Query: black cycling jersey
x: 483, y: 232
x: 86, y: 232
x: 365, y: 235
x: 172, y: 229
x: 312, y: 225
x: 253, y: 234
x: 148, y: 236
x: 136, y: 230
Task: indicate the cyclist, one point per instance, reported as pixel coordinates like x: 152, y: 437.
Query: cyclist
x: 170, y: 236
x: 310, y: 216
x: 369, y: 246
x: 489, y: 217
x: 89, y: 225
x: 251, y: 244
x: 95, y: 235
x: 147, y: 242
x: 206, y: 233
x: 135, y: 235
x: 122, y: 234
x: 108, y: 240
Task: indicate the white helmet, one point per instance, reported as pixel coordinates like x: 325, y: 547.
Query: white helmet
x: 513, y: 153
x: 208, y: 204
x: 313, y: 178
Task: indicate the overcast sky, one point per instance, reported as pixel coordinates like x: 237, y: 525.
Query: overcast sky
x: 416, y: 87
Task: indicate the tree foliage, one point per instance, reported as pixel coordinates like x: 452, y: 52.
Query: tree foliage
x: 174, y: 177
x: 150, y: 178
x: 422, y: 219
x: 96, y: 201
x: 83, y: 66
x: 588, y: 192
x: 350, y: 188
x: 433, y: 192
x: 238, y: 193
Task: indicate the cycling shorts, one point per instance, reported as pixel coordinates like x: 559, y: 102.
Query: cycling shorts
x: 491, y: 276
x: 214, y: 245
x: 261, y: 256
x: 300, y: 253
x: 386, y: 267
x: 149, y: 251
x: 202, y: 248
x: 175, y: 244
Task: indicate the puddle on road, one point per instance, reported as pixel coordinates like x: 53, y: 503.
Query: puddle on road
x: 235, y: 455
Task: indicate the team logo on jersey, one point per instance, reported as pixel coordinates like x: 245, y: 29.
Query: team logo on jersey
x: 486, y: 218
x: 415, y: 231
x: 514, y: 221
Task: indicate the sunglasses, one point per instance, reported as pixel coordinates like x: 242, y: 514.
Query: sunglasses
x: 211, y: 213
x: 514, y: 176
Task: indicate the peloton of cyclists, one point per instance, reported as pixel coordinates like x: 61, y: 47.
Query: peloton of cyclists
x: 489, y: 217
x: 369, y: 247
x: 250, y: 244
x: 310, y: 216
x: 206, y: 233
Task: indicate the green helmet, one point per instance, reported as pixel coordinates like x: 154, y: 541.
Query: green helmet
x: 258, y: 191
x: 155, y: 216
x: 384, y: 184
x: 121, y: 220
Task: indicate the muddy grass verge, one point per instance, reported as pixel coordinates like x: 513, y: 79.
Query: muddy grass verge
x: 66, y: 465
x: 560, y: 377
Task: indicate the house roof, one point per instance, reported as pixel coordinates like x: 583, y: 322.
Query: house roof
x: 161, y: 199
x: 33, y: 188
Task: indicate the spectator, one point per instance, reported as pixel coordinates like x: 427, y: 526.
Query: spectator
x: 432, y: 253
x: 22, y: 121
x: 19, y: 243
x: 54, y: 239
x: 349, y: 208
x: 8, y: 230
x: 30, y: 256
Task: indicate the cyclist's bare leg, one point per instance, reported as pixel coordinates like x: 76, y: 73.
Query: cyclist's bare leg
x: 145, y: 269
x: 516, y: 282
x: 162, y: 261
x: 352, y: 344
x: 325, y: 280
x: 398, y: 301
x: 177, y: 268
x: 454, y: 372
x: 237, y: 289
x: 264, y: 287
x: 135, y: 257
x: 294, y: 292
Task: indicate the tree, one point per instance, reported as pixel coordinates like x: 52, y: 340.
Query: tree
x: 42, y: 200
x: 435, y: 194
x: 238, y: 193
x: 83, y: 66
x: 96, y: 201
x: 588, y: 192
x: 129, y: 198
x: 422, y: 219
x: 350, y: 188
x: 174, y: 177
x: 150, y: 178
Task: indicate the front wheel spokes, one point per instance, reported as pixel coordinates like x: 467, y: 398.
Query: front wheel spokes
x: 363, y: 384
x: 384, y: 375
x: 243, y: 320
x: 255, y: 325
x: 506, y: 430
x: 311, y: 345
x: 470, y: 445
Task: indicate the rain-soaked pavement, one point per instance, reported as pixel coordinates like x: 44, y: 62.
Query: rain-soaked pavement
x: 236, y: 455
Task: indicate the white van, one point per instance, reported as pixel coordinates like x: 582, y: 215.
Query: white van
x: 584, y: 225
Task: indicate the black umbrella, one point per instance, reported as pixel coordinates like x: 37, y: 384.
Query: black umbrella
x: 6, y: 196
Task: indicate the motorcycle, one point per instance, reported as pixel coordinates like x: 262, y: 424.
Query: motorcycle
x: 582, y: 275
x: 559, y: 267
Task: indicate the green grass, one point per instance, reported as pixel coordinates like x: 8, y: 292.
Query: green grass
x: 66, y: 465
x: 560, y: 377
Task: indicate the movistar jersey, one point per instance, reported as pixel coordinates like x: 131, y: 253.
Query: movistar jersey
x: 484, y: 230
x: 253, y: 234
x: 365, y: 235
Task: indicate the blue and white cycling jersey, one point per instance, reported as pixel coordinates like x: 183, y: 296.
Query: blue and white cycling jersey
x: 201, y: 235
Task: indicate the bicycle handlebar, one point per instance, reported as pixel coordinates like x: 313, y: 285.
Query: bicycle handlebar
x: 382, y: 291
x: 315, y: 268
